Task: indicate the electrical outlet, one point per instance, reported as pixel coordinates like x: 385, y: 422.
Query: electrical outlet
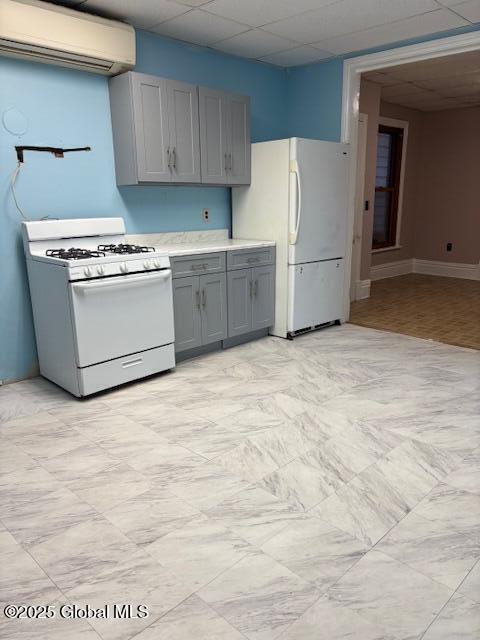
x: 449, y: 246
x: 205, y: 215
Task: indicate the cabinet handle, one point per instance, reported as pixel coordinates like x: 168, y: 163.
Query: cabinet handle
x: 197, y: 267
x: 225, y: 162
x: 250, y: 260
x: 197, y: 296
x: 230, y: 164
x: 174, y: 155
x: 251, y: 288
x: 255, y: 289
x: 204, y: 298
x: 169, y: 165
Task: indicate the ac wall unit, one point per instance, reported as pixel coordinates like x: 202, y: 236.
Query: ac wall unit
x: 43, y: 32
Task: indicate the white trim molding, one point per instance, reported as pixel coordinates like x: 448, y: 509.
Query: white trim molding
x: 352, y: 70
x: 391, y: 269
x: 362, y: 289
x: 447, y: 269
x: 426, y: 267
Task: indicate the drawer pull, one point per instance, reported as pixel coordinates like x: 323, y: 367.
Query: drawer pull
x: 131, y: 363
x: 199, y: 267
x: 250, y: 260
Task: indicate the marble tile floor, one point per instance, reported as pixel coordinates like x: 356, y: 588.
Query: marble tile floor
x: 322, y: 489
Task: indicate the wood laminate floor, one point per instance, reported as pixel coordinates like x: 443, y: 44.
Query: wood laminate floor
x: 442, y: 309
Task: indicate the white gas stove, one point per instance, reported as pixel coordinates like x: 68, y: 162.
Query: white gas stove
x: 103, y: 309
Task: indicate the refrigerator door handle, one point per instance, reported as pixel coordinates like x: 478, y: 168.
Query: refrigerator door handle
x: 294, y: 168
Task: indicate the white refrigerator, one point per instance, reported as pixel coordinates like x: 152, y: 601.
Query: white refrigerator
x: 298, y: 198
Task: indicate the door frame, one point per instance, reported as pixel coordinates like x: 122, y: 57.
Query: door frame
x: 359, y: 289
x: 352, y: 70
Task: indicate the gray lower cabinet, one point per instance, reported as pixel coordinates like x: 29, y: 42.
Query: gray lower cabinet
x: 200, y: 310
x: 186, y: 309
x: 239, y: 302
x: 214, y: 307
x: 251, y: 299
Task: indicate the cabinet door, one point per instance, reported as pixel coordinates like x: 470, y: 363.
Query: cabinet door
x: 214, y: 307
x: 263, y: 307
x: 184, y: 131
x: 149, y: 96
x: 239, y: 140
x: 213, y: 107
x: 187, y: 316
x: 239, y: 295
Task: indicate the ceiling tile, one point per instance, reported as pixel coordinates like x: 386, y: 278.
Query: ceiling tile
x: 427, y: 23
x: 255, y: 44
x: 379, y: 77
x: 139, y: 14
x: 458, y: 92
x: 400, y: 90
x: 469, y: 10
x: 199, y: 27
x: 347, y: 16
x: 260, y: 12
x: 299, y: 55
x: 459, y: 80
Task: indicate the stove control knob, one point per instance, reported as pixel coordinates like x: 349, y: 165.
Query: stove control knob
x: 156, y: 263
x: 124, y: 267
x: 147, y: 264
x: 100, y: 270
x: 87, y: 271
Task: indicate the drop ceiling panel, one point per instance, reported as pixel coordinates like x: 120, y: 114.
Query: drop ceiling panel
x: 260, y: 12
x: 447, y: 82
x: 199, y: 27
x: 424, y: 24
x: 142, y: 14
x: 347, y: 16
x: 299, y: 55
x: 255, y: 44
x: 401, y: 90
x: 469, y: 10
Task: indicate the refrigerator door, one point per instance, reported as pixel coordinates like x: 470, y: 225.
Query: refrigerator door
x: 315, y: 294
x: 318, y: 201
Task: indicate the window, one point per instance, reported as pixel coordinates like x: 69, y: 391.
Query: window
x: 387, y: 186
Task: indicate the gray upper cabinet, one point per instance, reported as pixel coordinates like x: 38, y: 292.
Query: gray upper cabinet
x: 182, y: 101
x: 213, y: 292
x: 224, y: 137
x: 155, y: 129
x: 239, y: 132
x: 213, y: 107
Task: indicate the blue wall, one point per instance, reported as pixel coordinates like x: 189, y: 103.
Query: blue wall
x: 71, y: 108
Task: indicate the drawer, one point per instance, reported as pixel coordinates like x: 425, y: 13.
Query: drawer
x: 250, y: 258
x: 138, y: 365
x: 183, y: 266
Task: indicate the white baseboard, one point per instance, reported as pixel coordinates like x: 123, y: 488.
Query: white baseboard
x: 447, y: 269
x: 391, y: 269
x: 362, y: 289
x: 426, y: 267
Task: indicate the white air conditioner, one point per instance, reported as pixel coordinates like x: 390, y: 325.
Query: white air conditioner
x: 44, y: 32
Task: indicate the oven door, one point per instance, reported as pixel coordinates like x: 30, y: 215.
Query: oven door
x: 118, y: 316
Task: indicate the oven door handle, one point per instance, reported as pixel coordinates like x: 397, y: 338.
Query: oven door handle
x: 94, y: 286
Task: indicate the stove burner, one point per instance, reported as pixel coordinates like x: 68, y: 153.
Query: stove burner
x: 74, y: 253
x: 124, y: 248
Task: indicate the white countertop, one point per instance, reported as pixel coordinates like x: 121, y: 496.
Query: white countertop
x: 211, y: 246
